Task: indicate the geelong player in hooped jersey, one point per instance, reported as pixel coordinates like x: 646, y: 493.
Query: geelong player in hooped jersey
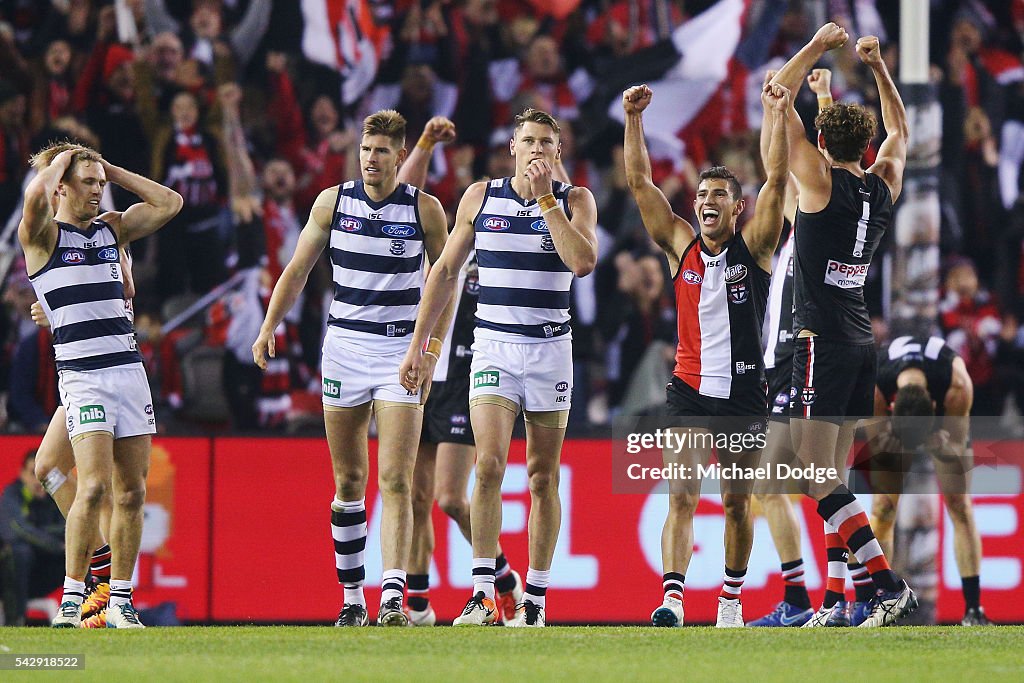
x: 925, y: 391
x: 843, y: 210
x: 73, y: 259
x: 531, y: 235
x: 378, y: 230
x: 721, y: 282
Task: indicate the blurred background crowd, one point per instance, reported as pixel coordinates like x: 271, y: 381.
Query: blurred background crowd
x: 248, y: 108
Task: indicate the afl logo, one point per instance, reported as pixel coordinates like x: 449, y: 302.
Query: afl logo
x: 108, y: 254
x: 735, y: 273
x: 72, y: 257
x: 539, y: 226
x: 496, y: 223
x: 350, y: 225
x: 562, y: 386
x: 398, y: 230
x: 692, y: 278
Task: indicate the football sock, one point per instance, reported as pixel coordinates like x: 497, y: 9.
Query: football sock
x: 74, y: 591
x: 846, y: 515
x: 796, y: 590
x: 392, y: 585
x: 348, y: 528
x: 504, y: 582
x: 835, y: 549
x: 483, y: 576
x: 862, y: 584
x: 99, y: 565
x: 732, y: 583
x: 120, y: 592
x: 972, y: 591
x: 419, y: 597
x: 672, y: 584
x: 537, y: 585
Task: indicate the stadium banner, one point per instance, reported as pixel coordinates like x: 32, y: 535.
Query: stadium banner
x: 267, y: 505
x: 174, y: 561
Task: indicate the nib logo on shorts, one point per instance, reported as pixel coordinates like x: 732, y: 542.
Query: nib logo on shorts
x: 485, y: 378
x: 332, y: 388
x: 91, y: 414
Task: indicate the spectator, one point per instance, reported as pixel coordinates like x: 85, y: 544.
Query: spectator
x: 33, y: 374
x: 32, y: 526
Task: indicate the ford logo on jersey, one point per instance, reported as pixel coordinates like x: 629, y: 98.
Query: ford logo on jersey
x: 350, y: 225
x: 691, y: 277
x: 539, y: 226
x: 72, y: 256
x: 108, y: 254
x: 496, y: 223
x: 398, y: 230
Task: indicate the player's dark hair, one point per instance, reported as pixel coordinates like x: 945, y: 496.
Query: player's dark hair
x: 387, y: 122
x: 913, y: 415
x: 536, y: 116
x: 847, y: 129
x: 722, y: 173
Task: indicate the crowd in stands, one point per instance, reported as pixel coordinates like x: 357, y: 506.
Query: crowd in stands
x: 233, y: 104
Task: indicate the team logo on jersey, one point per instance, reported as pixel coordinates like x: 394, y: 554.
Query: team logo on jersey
x: 109, y: 254
x: 551, y: 330
x: 90, y: 414
x: 735, y: 273
x: 148, y: 409
x: 539, y: 226
x: 486, y: 378
x: 742, y: 368
x: 394, y: 330
x: 114, y: 271
x: 73, y: 257
x: 332, y: 388
x: 789, y: 267
x: 738, y: 292
x: 496, y: 223
x: 562, y: 386
x: 807, y: 395
x: 691, y: 277
x: 546, y: 243
x: 782, y: 398
x: 398, y: 230
x: 71, y: 422
x: 472, y: 287
x: 398, y: 247
x: 350, y: 224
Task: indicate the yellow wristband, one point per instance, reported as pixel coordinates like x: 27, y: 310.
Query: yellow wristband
x: 824, y: 101
x: 547, y: 202
x: 425, y: 143
x: 434, y: 346
x: 431, y: 353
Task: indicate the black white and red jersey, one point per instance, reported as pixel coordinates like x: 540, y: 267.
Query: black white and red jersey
x: 720, y: 304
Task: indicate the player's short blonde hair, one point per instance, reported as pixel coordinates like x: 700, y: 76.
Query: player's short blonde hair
x: 530, y: 114
x: 388, y: 123
x: 46, y: 155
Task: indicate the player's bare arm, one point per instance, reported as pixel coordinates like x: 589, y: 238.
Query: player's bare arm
x: 158, y: 206
x: 575, y: 240
x: 808, y: 165
x: 892, y: 155
x: 670, y: 232
x: 435, y: 235
x: 957, y: 405
x: 442, y: 282
x: 828, y: 37
x: 762, y: 235
x: 37, y: 232
x: 312, y: 241
x: 438, y: 130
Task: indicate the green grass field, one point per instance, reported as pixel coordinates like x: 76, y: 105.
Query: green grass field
x: 557, y: 653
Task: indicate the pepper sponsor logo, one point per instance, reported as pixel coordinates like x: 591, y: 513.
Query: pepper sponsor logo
x: 846, y: 275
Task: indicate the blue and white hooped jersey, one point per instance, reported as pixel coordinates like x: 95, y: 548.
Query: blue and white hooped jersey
x: 81, y: 290
x: 377, y: 262
x: 524, y: 285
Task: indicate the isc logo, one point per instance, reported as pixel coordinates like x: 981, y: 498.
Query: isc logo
x: 496, y: 223
x: 89, y: 414
x: 332, y: 388
x: 486, y: 378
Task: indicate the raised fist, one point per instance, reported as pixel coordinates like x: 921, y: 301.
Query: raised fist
x: 636, y: 99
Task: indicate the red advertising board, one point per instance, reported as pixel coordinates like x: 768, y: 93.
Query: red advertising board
x: 267, y: 504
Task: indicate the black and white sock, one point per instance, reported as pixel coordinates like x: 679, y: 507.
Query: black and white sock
x: 504, y: 582
x: 120, y: 592
x: 348, y: 529
x: 537, y: 585
x: 74, y: 591
x: 392, y: 585
x: 419, y: 592
x: 483, y: 576
x: 672, y: 584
